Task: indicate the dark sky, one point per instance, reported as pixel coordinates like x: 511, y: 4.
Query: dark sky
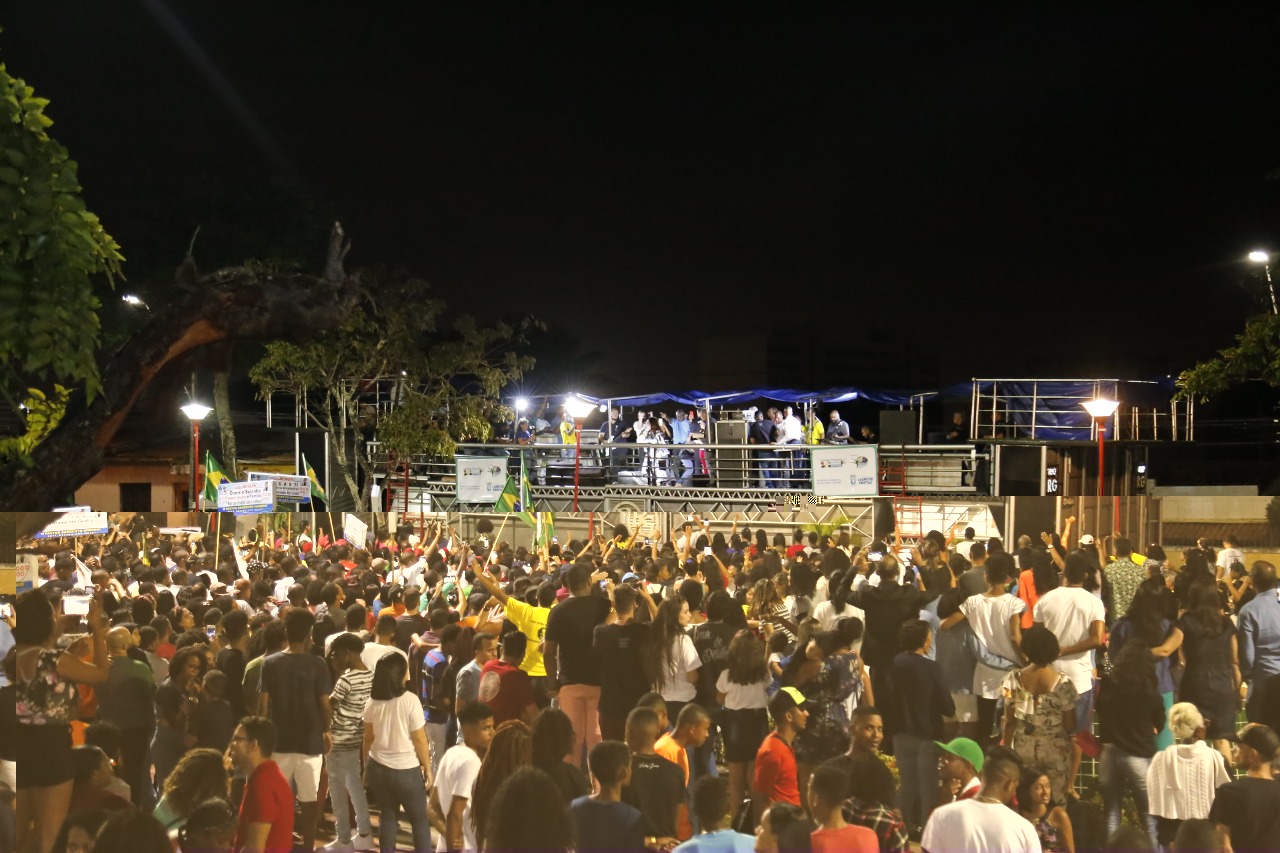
x: 1070, y: 189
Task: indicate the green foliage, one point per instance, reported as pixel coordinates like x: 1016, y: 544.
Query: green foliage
x: 50, y: 248
x: 43, y: 414
x: 449, y: 379
x: 1254, y: 358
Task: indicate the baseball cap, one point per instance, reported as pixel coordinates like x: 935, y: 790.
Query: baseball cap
x: 796, y: 697
x: 1261, y: 739
x: 964, y: 748
x: 1086, y: 539
x: 630, y: 576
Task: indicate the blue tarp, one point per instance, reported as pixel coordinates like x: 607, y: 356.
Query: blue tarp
x: 790, y: 395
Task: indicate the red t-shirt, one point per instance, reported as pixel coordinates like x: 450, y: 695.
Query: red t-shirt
x: 506, y: 689
x: 776, y: 771
x: 857, y: 839
x: 798, y: 548
x: 267, y: 799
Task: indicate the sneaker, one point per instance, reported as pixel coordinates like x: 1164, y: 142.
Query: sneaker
x: 365, y: 842
x: 337, y: 846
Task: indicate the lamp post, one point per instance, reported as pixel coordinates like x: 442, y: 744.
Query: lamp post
x: 1101, y: 409
x: 1260, y: 257
x: 578, y: 409
x: 196, y: 412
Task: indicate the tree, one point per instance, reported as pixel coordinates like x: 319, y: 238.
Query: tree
x: 1254, y: 358
x: 447, y: 381
x: 51, y: 248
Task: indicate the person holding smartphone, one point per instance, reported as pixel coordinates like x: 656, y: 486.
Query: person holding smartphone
x: 47, y: 702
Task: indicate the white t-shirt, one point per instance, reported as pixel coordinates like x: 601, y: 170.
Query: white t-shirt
x: 989, y: 618
x: 393, y: 720
x: 675, y: 684
x: 827, y: 616
x: 969, y: 825
x: 964, y: 546
x: 739, y: 697
x: 1227, y: 556
x: 373, y: 653
x: 455, y: 778
x: 820, y: 590
x: 407, y: 576
x: 1068, y: 612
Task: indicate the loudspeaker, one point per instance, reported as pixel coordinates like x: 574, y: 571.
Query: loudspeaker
x: 898, y: 427
x: 730, y: 468
x: 882, y: 520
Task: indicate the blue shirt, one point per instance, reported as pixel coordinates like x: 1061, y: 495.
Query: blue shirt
x: 723, y: 841
x: 680, y: 431
x: 608, y: 826
x: 1259, y: 626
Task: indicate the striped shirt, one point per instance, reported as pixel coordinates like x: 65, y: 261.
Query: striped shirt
x: 350, y: 695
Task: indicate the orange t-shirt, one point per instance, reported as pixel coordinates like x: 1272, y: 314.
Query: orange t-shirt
x: 776, y: 771
x: 675, y: 753
x: 847, y: 839
x: 1027, y: 592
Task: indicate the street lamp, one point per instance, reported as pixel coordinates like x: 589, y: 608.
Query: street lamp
x: 578, y: 409
x: 196, y: 412
x: 522, y: 405
x: 1260, y: 257
x: 134, y: 300
x: 1101, y: 409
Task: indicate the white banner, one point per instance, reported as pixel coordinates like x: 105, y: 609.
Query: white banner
x: 76, y: 524
x: 290, y: 488
x: 481, y: 479
x: 354, y: 530
x: 846, y: 471
x: 27, y: 573
x: 247, y: 497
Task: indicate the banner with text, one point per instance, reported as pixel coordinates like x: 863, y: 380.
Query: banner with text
x: 290, y: 488
x: 248, y: 497
x: 354, y: 530
x: 846, y: 471
x: 481, y: 479
x: 76, y: 524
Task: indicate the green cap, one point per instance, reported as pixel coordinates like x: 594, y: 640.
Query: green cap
x: 964, y: 748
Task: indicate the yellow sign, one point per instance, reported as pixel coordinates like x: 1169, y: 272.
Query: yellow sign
x: 8, y: 579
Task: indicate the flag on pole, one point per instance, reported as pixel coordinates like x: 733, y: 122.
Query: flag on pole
x: 213, y: 475
x: 546, y: 530
x: 509, y: 501
x: 317, y: 491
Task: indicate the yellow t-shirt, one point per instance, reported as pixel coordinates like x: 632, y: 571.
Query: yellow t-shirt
x: 815, y: 433
x: 532, y: 622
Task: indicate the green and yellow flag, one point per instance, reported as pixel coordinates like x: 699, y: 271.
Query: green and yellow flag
x: 213, y: 475
x: 546, y: 530
x: 517, y: 498
x: 317, y: 491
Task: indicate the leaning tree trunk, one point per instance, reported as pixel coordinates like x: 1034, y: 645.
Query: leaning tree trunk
x: 222, y: 410
x: 229, y: 304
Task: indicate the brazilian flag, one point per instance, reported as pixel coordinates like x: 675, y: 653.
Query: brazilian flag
x: 317, y: 491
x: 213, y: 475
x: 510, y: 501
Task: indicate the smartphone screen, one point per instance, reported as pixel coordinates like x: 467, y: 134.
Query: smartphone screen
x: 706, y: 552
x: 75, y: 605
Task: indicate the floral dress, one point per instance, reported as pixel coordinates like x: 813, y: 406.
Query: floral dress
x: 826, y: 735
x: 1038, y: 734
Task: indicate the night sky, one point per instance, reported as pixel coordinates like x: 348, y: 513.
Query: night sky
x: 1063, y: 192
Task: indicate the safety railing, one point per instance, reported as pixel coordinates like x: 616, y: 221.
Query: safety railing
x: 768, y: 469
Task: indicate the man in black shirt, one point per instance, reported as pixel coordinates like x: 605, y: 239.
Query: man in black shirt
x: 295, y: 696
x: 1248, y: 809
x: 657, y: 786
x: 231, y: 660
x: 412, y: 622
x: 619, y: 645
x: 573, y: 670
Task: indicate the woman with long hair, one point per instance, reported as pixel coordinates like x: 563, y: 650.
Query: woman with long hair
x: 1034, y: 582
x: 46, y: 702
x: 176, y: 703
x: 672, y: 659
x: 742, y: 689
x: 529, y: 813
x: 510, y: 750
x: 551, y: 743
x: 1129, y: 714
x: 1149, y: 621
x: 1047, y: 815
x: 398, y: 770
x: 839, y: 600
x: 1211, y: 681
x: 198, y: 776
x: 1040, y: 709
x: 210, y: 827
x: 826, y: 671
x: 767, y: 606
x: 1184, y: 777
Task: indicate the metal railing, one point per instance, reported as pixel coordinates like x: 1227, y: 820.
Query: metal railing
x: 713, y: 471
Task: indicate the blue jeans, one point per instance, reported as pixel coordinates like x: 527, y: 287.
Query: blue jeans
x: 1116, y: 768
x: 344, y: 782
x: 394, y: 789
x: 918, y: 768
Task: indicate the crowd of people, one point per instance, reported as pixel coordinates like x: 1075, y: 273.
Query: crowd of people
x: 700, y: 689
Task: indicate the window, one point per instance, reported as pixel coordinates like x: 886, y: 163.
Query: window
x: 135, y: 497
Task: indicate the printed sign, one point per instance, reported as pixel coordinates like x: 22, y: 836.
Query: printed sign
x: 354, y: 530
x: 8, y: 578
x: 76, y: 524
x: 846, y: 471
x: 248, y: 497
x: 481, y: 479
x: 26, y: 573
x: 290, y: 488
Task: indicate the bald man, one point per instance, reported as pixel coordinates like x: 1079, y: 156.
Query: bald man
x: 125, y: 699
